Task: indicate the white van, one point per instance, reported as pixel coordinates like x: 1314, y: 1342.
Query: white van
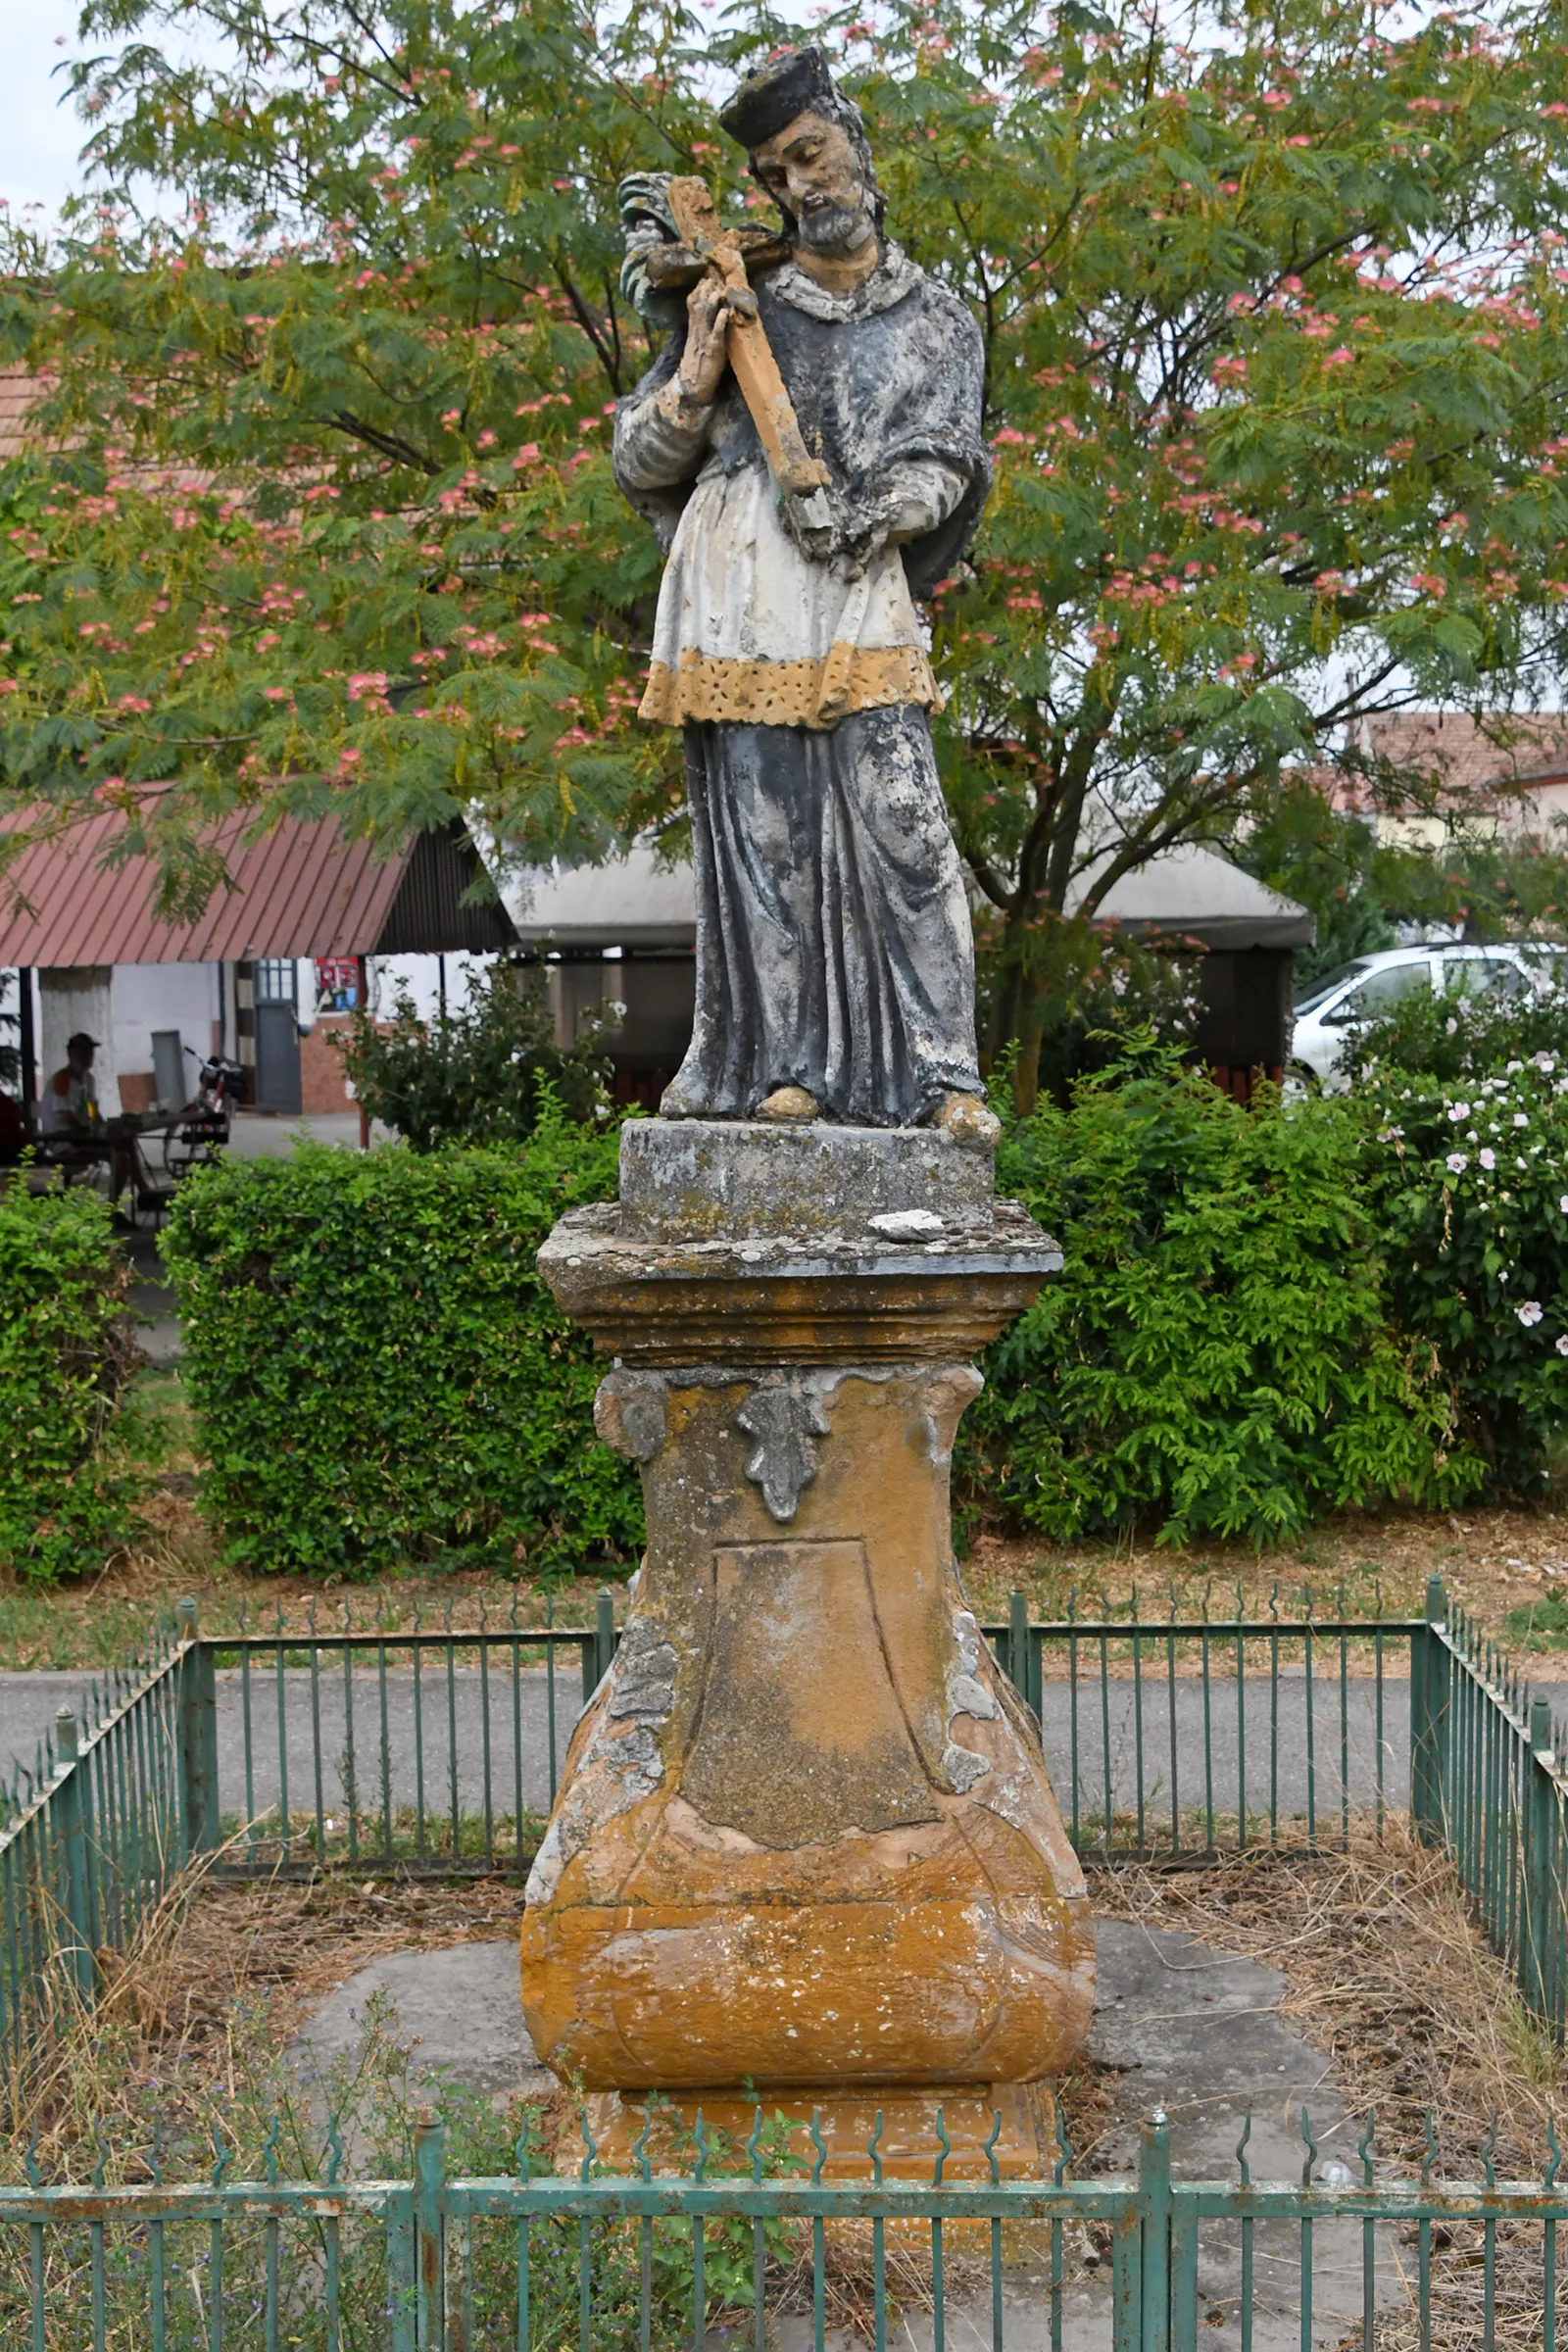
x: 1362, y: 990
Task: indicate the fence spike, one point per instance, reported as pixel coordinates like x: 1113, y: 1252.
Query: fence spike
x: 334, y: 2150
x: 991, y: 2150
x: 222, y: 2154
x: 754, y: 2145
x: 155, y: 2151
x: 524, y: 2155
x: 30, y: 2162
x: 1489, y: 2155
x: 701, y: 2138
x: 944, y: 2149
x: 590, y: 2151
x: 873, y: 2148
x: 270, y: 2149
x: 310, y: 1617
x: 1555, y: 2153
x: 820, y: 2145
x: 1063, y: 2161
x: 1243, y: 2163
x: 1429, y: 2153
x: 1363, y: 2147
x: 1312, y: 2148
x: 101, y: 2152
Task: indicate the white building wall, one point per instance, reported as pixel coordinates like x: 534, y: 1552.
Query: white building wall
x: 162, y: 995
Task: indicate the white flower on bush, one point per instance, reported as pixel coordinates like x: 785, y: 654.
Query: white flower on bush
x: 1562, y: 1343
x: 1530, y: 1313
x: 1521, y: 1118
x: 1457, y: 1162
x: 1512, y: 1066
x: 1488, y: 1158
x: 1544, y: 1061
x: 1458, y: 1111
x: 1452, y: 1025
x: 1561, y: 1087
x: 1563, y: 1205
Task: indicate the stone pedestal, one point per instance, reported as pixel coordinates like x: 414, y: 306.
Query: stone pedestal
x: 804, y: 1843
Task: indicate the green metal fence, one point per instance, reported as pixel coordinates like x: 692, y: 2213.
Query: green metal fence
x: 736, y: 2249
x: 420, y: 1748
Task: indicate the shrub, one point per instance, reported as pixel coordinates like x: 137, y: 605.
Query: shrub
x: 379, y: 1373
x: 66, y: 1478
x: 1459, y: 1036
x: 1219, y: 1350
x: 1468, y: 1185
x: 471, y: 1075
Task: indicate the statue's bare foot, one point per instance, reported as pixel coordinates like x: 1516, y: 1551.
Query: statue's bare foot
x: 788, y: 1107
x: 673, y: 1104
x: 966, y: 1119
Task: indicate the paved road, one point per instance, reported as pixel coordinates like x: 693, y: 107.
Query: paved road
x: 1213, y: 1763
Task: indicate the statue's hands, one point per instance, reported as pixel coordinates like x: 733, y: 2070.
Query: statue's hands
x: 828, y: 528
x: 706, y: 354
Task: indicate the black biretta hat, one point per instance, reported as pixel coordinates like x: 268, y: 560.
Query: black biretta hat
x: 790, y: 83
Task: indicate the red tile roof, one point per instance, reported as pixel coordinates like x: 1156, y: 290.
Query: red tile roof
x: 301, y: 890
x: 1469, y: 763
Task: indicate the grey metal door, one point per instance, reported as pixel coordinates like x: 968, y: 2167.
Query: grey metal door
x: 278, y: 1058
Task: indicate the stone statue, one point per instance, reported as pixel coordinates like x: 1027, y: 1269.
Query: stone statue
x: 835, y: 968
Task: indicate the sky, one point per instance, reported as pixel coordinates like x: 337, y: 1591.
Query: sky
x: 39, y: 138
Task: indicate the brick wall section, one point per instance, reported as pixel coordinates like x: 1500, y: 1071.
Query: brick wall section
x: 321, y: 1087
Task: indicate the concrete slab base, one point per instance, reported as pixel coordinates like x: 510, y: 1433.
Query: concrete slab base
x: 1180, y: 2027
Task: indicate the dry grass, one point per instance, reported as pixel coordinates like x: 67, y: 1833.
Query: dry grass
x: 1387, y: 1975
x: 219, y: 1963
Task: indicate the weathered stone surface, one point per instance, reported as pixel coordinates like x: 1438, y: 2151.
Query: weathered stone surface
x: 687, y: 1180
x: 835, y: 1860
x: 788, y: 1301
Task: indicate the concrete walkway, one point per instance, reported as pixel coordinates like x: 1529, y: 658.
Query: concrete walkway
x: 1178, y: 2027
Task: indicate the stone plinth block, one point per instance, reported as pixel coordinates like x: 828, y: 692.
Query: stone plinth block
x: 805, y: 1839
x: 686, y: 1180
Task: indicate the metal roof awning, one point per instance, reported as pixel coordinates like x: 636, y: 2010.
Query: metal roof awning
x: 300, y: 889
x: 633, y: 901
x: 1189, y: 892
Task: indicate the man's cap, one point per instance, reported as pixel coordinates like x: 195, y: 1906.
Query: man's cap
x: 792, y: 81
x: 80, y: 1038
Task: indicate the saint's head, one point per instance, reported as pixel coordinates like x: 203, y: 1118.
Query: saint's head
x: 808, y: 149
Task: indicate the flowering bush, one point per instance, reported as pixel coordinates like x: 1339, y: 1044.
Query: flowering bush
x: 1459, y: 1036
x: 1219, y: 1354
x: 1470, y: 1188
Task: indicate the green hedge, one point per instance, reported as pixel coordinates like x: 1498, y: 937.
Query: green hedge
x: 1264, y: 1315
x: 1220, y: 1354
x: 66, y: 1352
x: 380, y: 1376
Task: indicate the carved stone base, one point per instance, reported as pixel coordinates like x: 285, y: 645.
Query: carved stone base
x: 1014, y: 2123
x: 805, y: 1835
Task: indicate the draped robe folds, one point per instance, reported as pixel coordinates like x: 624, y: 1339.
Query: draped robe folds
x: 833, y: 941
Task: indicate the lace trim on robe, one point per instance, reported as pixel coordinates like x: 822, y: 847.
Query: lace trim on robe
x: 788, y: 694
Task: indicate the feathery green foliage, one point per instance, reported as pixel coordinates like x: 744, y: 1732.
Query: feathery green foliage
x: 1274, y: 325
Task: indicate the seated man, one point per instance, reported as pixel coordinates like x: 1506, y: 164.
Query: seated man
x: 73, y: 1125
x: 71, y: 1098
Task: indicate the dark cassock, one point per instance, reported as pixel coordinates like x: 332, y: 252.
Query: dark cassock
x: 834, y: 952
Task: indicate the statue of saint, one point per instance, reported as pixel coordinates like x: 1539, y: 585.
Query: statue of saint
x: 834, y: 965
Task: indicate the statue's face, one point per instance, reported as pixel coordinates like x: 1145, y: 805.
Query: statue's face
x: 811, y: 168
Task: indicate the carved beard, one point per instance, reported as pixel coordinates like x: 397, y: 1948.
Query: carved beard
x: 829, y: 227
